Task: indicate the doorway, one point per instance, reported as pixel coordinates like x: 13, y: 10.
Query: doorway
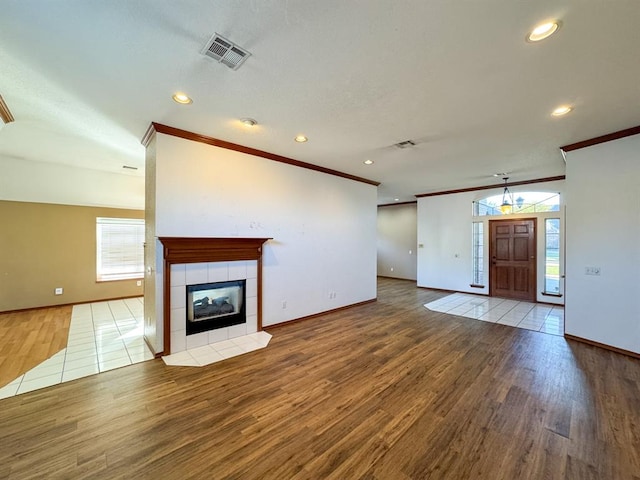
x: 512, y: 266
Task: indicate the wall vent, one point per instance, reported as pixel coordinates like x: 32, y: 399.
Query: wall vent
x: 225, y: 51
x: 406, y: 144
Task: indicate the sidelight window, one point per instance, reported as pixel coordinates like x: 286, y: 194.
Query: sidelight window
x: 478, y: 253
x: 552, y: 256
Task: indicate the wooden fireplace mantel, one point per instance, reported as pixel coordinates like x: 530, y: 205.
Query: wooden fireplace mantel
x: 178, y: 250
x: 195, y: 250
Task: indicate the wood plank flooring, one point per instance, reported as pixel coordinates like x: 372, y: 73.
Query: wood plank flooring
x: 29, y: 337
x: 386, y: 390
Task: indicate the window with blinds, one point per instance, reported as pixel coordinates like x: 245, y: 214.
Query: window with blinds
x: 120, y: 248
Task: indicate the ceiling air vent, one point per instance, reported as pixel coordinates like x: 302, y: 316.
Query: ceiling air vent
x: 406, y: 144
x: 225, y: 51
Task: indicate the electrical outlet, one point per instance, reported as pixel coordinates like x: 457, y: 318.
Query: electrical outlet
x: 284, y: 304
x: 592, y: 271
x: 392, y: 269
x: 58, y: 291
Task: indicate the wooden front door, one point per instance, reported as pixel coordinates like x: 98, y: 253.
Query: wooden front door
x: 512, y: 267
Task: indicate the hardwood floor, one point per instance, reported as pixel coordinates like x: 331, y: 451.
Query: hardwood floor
x: 386, y: 390
x: 30, y: 337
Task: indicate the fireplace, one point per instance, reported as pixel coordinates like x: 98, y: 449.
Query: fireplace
x: 215, y: 305
x: 193, y: 269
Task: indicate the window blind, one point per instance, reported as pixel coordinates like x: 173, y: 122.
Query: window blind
x: 120, y: 248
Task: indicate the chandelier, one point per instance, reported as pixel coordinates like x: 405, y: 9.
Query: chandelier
x: 507, y: 199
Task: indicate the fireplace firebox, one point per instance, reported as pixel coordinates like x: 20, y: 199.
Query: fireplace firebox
x: 215, y: 305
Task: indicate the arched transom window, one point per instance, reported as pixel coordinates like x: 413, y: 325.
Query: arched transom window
x: 518, y: 202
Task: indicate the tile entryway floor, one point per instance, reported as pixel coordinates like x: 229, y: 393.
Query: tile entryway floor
x: 532, y: 316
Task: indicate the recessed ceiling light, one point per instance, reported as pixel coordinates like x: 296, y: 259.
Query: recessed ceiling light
x: 182, y: 98
x: 396, y: 199
x: 301, y: 139
x: 544, y: 30
x: 561, y: 110
x: 368, y: 162
x: 249, y: 122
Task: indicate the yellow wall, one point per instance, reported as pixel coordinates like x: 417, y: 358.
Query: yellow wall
x: 44, y: 246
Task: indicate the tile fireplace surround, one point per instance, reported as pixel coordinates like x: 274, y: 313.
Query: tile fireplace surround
x: 189, y: 261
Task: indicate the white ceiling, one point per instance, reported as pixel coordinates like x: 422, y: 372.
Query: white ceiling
x: 84, y: 79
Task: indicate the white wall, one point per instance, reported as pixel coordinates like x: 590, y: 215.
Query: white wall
x: 603, y: 230
x: 445, y: 245
x: 45, y: 182
x: 323, y: 226
x: 153, y: 329
x: 397, y: 241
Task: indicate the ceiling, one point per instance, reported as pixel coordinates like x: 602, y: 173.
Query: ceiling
x: 85, y: 78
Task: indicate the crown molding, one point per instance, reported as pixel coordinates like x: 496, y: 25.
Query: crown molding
x: 394, y: 204
x: 5, y: 113
x: 488, y: 187
x: 196, y: 137
x: 602, y: 139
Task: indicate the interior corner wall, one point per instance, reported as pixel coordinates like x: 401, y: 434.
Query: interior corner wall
x: 444, y: 242
x: 45, y: 246
x: 397, y: 241
x: 603, y: 231
x: 153, y: 283
x: 445, y: 259
x: 323, y: 252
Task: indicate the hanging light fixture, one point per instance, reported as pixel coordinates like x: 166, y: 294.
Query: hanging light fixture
x: 507, y: 199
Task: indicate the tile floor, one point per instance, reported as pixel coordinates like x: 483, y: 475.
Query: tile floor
x: 102, y: 336
x: 532, y: 316
x: 108, y: 335
x: 216, y: 352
